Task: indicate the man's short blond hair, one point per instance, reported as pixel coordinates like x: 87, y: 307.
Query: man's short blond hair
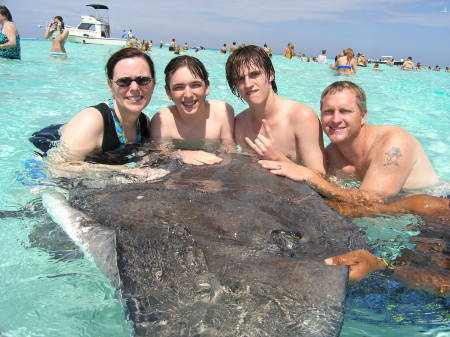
x: 339, y: 86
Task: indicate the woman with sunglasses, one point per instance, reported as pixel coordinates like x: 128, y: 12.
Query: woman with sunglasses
x: 118, y: 122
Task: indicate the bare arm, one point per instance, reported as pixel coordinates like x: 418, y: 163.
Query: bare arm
x: 239, y: 130
x: 156, y: 126
x: 319, y: 183
x: 227, y: 129
x: 83, y: 134
x: 354, y: 65
x: 49, y: 31
x: 390, y: 166
x: 361, y: 263
x: 64, y: 34
x: 309, y: 138
x: 10, y: 32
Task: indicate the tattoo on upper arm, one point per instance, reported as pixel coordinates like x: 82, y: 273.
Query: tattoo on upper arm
x: 392, y: 156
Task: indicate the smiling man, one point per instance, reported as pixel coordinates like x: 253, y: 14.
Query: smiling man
x: 274, y: 127
x: 193, y: 118
x: 384, y: 158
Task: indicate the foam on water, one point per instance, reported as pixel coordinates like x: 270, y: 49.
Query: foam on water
x: 47, y: 296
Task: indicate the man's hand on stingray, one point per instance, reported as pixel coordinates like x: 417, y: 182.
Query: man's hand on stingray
x: 199, y: 157
x: 360, y: 262
x: 264, y: 145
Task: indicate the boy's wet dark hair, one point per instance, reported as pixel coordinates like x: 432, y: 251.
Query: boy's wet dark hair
x: 126, y: 53
x: 246, y: 57
x: 194, y: 65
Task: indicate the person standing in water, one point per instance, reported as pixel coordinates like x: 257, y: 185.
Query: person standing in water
x: 9, y: 36
x: 59, y: 33
x: 346, y: 62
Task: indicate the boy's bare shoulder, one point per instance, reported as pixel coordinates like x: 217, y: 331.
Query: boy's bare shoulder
x: 220, y: 106
x: 165, y: 114
x: 299, y: 112
x: 296, y: 107
x: 243, y: 115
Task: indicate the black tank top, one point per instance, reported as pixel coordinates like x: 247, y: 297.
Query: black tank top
x: 110, y: 140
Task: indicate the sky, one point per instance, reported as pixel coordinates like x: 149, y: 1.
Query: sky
x: 399, y: 28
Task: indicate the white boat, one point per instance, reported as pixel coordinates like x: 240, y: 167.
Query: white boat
x: 94, y: 29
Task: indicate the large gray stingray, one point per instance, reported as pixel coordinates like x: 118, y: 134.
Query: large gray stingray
x: 223, y: 250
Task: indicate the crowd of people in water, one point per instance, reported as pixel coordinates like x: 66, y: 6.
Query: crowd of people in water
x: 286, y: 135
x: 345, y: 62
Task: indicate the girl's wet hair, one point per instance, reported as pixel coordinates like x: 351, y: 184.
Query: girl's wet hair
x: 61, y: 20
x: 126, y: 53
x: 6, y: 13
x: 194, y: 65
x: 244, y: 58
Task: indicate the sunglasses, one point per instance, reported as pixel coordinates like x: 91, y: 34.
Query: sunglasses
x: 126, y: 81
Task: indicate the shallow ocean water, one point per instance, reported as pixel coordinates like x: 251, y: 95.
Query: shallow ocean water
x: 54, y: 292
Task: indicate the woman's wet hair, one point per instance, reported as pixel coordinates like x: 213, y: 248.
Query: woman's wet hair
x: 349, y: 53
x: 194, y: 65
x: 339, y: 86
x: 126, y: 53
x: 60, y: 20
x: 6, y: 13
x: 244, y: 58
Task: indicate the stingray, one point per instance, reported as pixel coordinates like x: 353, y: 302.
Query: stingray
x: 219, y: 250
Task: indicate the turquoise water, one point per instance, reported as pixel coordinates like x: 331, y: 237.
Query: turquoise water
x: 45, y: 294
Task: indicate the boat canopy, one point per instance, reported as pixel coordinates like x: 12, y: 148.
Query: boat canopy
x: 97, y: 6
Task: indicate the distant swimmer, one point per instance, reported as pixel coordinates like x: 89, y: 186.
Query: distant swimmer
x: 193, y: 118
x: 161, y: 43
x: 437, y: 68
x: 9, y: 36
x: 185, y: 46
x: 233, y: 47
x: 275, y: 128
x: 377, y: 67
x: 288, y: 51
x: 58, y: 33
x: 133, y: 42
x: 322, y: 59
x: 361, y: 60
x: 223, y: 50
x: 346, y: 64
x: 419, y: 66
x: 172, y: 45
x: 145, y: 45
x: 408, y: 64
x: 384, y: 158
x: 267, y: 50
